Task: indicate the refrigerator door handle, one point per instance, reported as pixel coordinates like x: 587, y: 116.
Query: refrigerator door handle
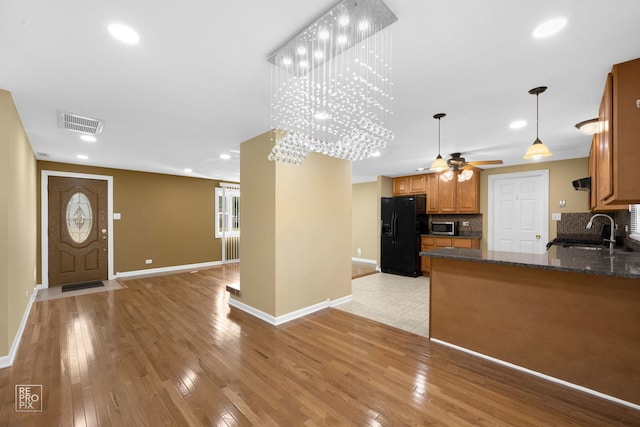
x: 395, y: 228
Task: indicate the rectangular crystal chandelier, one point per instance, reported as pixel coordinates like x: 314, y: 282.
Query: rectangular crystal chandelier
x: 331, y: 85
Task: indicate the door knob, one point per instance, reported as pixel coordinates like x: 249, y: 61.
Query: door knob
x: 537, y: 236
x: 104, y: 231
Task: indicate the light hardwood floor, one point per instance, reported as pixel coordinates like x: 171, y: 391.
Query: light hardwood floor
x: 168, y: 350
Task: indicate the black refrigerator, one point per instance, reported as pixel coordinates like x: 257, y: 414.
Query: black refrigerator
x: 403, y: 220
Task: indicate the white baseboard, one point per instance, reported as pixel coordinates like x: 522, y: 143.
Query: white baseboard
x: 364, y: 260
x: 541, y: 375
x: 279, y: 320
x: 172, y: 269
x: 7, y: 361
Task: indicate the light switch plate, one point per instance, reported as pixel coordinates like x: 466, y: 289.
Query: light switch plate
x: 638, y: 103
x: 556, y: 216
x: 116, y: 216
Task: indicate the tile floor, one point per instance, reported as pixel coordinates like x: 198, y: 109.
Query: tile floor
x: 398, y: 301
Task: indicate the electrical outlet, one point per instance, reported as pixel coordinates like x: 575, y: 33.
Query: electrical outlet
x: 148, y: 261
x: 465, y: 223
x: 359, y: 251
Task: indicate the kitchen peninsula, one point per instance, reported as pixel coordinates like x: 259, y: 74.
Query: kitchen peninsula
x: 570, y: 313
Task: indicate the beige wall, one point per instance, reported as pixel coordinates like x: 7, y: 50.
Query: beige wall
x: 561, y: 174
x: 296, y: 230
x: 365, y: 219
x: 17, y: 222
x: 258, y: 218
x: 169, y: 219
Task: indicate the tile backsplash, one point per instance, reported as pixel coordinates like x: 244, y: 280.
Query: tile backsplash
x: 574, y: 224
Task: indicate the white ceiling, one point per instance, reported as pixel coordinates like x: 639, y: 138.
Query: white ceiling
x: 197, y: 84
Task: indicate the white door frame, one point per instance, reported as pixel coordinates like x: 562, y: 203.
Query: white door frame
x: 44, y: 222
x: 544, y: 173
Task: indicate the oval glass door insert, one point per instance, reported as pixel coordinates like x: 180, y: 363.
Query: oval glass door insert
x: 79, y: 217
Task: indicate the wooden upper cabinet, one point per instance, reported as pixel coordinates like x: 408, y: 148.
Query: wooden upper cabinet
x: 615, y: 152
x: 447, y: 194
x: 468, y: 194
x: 443, y: 196
x: 418, y: 184
x: 596, y: 204
x: 433, y: 202
x: 605, y: 160
x: 400, y: 186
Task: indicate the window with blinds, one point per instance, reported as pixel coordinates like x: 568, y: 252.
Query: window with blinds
x: 634, y: 232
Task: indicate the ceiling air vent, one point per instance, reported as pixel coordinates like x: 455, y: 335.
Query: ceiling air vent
x: 77, y: 123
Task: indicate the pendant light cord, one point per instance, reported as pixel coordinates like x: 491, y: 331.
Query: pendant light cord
x: 537, y: 114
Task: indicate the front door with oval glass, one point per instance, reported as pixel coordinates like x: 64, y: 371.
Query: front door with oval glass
x: 77, y: 230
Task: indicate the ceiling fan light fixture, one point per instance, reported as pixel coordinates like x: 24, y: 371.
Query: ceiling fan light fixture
x: 465, y: 175
x: 589, y: 127
x: 537, y: 150
x: 447, y: 176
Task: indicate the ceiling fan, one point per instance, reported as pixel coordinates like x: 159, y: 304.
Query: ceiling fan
x: 456, y: 162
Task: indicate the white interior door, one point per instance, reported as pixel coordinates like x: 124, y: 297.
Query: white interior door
x: 519, y: 212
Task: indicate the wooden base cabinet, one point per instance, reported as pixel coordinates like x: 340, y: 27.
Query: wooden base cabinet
x: 428, y: 243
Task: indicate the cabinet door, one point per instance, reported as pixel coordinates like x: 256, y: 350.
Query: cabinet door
x: 466, y: 243
x: 468, y: 194
x: 443, y: 242
x: 425, y: 261
x: 400, y: 186
x: 593, y: 197
x: 417, y: 183
x: 605, y: 159
x: 432, y: 193
x: 447, y: 193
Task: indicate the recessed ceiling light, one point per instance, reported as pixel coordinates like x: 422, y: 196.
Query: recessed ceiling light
x: 82, y: 156
x: 420, y: 169
x: 286, y: 61
x: 225, y: 156
x: 342, y: 39
x: 344, y: 20
x: 363, y: 25
x: 301, y: 50
x: 518, y: 124
x: 88, y: 138
x: 124, y: 33
x: 188, y: 170
x: 304, y: 63
x: 549, y: 28
x: 318, y: 54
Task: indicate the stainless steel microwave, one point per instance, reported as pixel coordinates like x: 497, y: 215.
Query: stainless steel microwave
x: 446, y: 228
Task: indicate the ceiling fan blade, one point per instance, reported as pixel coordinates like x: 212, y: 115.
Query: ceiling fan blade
x: 485, y: 162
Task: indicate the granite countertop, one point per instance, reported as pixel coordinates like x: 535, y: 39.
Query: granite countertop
x: 599, y: 262
x: 459, y: 236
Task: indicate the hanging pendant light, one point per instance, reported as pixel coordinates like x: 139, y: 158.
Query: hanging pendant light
x: 439, y: 164
x: 537, y: 150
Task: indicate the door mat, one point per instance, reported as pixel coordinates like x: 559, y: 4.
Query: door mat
x: 78, y: 286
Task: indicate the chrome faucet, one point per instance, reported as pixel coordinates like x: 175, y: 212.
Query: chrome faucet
x: 612, y: 238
